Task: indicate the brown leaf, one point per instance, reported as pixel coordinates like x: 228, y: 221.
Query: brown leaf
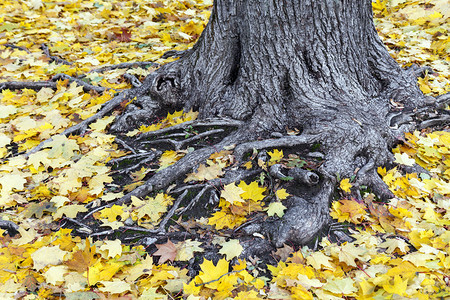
x: 284, y: 252
x: 124, y: 36
x: 82, y: 259
x: 167, y: 251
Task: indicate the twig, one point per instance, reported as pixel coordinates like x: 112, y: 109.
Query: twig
x: 19, y: 85
x: 56, y: 59
x: 78, y: 223
x: 86, y: 86
x: 208, y: 282
x: 129, y: 65
x: 106, y: 232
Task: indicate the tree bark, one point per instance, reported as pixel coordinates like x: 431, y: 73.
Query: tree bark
x: 318, y: 66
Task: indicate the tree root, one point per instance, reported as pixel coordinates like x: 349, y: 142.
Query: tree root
x: 17, y: 47
x: 53, y: 58
x: 288, y: 141
x: 19, y: 85
x: 178, y: 145
x: 86, y: 86
x: 128, y: 65
x: 11, y: 227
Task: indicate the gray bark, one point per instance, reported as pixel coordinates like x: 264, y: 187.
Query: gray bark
x: 318, y: 66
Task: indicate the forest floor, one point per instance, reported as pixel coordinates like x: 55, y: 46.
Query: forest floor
x: 55, y: 248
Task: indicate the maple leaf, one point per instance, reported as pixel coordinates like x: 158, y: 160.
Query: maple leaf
x: 38, y: 209
x: 205, y: 173
x: 82, y: 259
x: 231, y: 249
x: 167, y: 251
x: 47, y: 256
x: 115, y: 287
x: 55, y: 274
x: 231, y: 193
x: 340, y: 286
x: 345, y: 185
x: 168, y: 158
x: 70, y: 211
x: 348, y: 253
x: 276, y: 208
x: 10, y: 182
x: 186, y: 249
x: 282, y: 194
x: 114, y: 248
x: 124, y: 35
x: 404, y: 159
x: 252, y: 191
x: 211, y: 273
x: 275, y: 156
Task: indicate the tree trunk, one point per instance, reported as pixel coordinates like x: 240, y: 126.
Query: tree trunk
x: 318, y: 66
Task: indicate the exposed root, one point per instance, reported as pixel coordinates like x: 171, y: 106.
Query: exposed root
x: 19, y: 85
x: 151, y: 157
x: 86, y: 86
x: 9, y: 226
x: 81, y: 127
x: 178, y: 145
x: 223, y: 122
x: 133, y: 80
x: 53, y: 58
x: 17, y: 47
x: 129, y: 65
x: 287, y: 141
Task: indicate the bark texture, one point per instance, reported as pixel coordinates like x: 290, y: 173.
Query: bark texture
x: 318, y: 66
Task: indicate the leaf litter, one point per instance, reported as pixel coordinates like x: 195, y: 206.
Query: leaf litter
x: 401, y: 248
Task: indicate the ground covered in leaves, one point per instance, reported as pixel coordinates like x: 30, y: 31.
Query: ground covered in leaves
x: 401, y: 248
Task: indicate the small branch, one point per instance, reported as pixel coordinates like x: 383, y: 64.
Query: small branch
x: 208, y: 282
x: 129, y: 65
x: 56, y: 59
x: 132, y: 79
x: 17, y: 47
x: 86, y: 86
x: 18, y: 85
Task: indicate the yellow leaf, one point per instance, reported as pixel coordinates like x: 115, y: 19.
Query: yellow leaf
x: 275, y: 156
x: 231, y: 193
x: 252, y: 191
x: 210, y: 273
x: 399, y: 286
x: 231, y: 249
x: 276, y: 208
x: 205, y: 173
x: 282, y: 194
x: 345, y: 185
